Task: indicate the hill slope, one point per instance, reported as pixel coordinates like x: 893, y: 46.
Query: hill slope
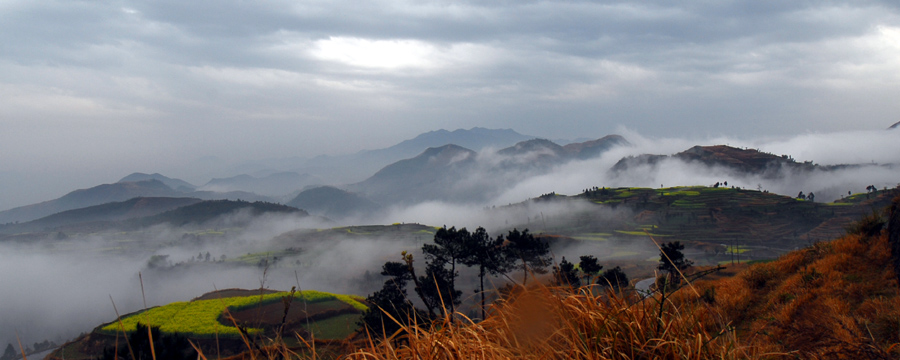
x: 110, y: 212
x: 120, y: 191
x: 333, y: 203
x: 836, y: 299
x: 456, y: 174
x: 276, y: 184
x: 204, y: 211
x: 176, y: 184
x: 97, y: 195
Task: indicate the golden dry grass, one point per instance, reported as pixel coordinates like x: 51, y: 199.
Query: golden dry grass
x: 835, y: 300
x: 552, y: 323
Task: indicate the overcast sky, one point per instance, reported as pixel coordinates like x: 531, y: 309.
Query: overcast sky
x: 93, y: 90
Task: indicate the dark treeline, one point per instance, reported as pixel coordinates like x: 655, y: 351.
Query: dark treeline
x: 454, y: 248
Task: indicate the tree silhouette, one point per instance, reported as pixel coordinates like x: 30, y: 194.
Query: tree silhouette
x: 614, y: 278
x: 390, y: 302
x: 531, y: 252
x: 590, y: 266
x: 449, y: 248
x: 565, y: 274
x: 436, y: 287
x: 672, y: 261
x: 10, y: 353
x: 487, y: 255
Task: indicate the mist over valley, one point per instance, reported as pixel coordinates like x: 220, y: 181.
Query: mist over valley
x: 158, y: 239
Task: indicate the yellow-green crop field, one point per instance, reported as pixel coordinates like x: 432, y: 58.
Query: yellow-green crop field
x: 638, y: 233
x: 736, y: 249
x: 682, y: 193
x: 200, y: 318
x: 592, y: 236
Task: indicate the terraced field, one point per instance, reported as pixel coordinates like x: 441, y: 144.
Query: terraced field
x: 209, y: 316
x: 713, y: 221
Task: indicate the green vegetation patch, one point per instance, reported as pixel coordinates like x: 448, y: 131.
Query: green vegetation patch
x: 200, y: 318
x: 682, y: 193
x: 736, y: 249
x: 255, y: 258
x: 838, y: 204
x: 639, y: 233
x: 336, y: 327
x: 589, y: 238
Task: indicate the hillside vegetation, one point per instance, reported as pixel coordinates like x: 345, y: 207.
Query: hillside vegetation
x: 832, y: 300
x: 223, y: 321
x: 711, y: 220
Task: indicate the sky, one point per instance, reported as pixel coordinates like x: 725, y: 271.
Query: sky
x: 91, y: 91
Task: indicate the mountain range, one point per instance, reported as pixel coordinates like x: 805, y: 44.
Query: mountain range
x: 448, y: 172
x: 142, y: 212
x: 431, y: 175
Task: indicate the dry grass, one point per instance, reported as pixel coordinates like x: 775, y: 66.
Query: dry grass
x: 552, y: 323
x: 833, y: 300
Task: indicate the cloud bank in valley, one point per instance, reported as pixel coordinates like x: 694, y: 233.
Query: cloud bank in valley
x: 879, y: 166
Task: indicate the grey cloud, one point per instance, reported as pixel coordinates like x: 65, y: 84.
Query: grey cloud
x: 241, y: 80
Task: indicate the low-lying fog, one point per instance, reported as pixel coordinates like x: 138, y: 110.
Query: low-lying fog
x: 877, y: 153
x: 55, y: 289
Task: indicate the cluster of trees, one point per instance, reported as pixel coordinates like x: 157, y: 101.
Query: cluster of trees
x: 810, y: 197
x: 10, y: 352
x: 672, y: 262
x: 597, y: 191
x: 437, y: 291
x: 588, y: 272
x: 163, y: 262
x: 436, y: 288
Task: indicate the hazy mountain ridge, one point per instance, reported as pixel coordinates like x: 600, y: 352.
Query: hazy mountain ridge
x: 265, y: 188
x: 427, y: 176
x: 116, y: 192
x: 740, y: 160
x: 204, y: 211
x: 175, y: 184
x: 454, y: 173
x: 276, y: 184
x: 457, y: 174
x: 361, y: 165
x: 333, y: 203
x: 96, y: 195
x: 108, y: 212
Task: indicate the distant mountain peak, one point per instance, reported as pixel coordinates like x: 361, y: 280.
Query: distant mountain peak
x: 532, y: 145
x: 175, y: 184
x: 751, y: 161
x: 593, y: 148
x: 895, y: 126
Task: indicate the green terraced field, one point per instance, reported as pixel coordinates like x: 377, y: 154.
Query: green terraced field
x: 200, y: 318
